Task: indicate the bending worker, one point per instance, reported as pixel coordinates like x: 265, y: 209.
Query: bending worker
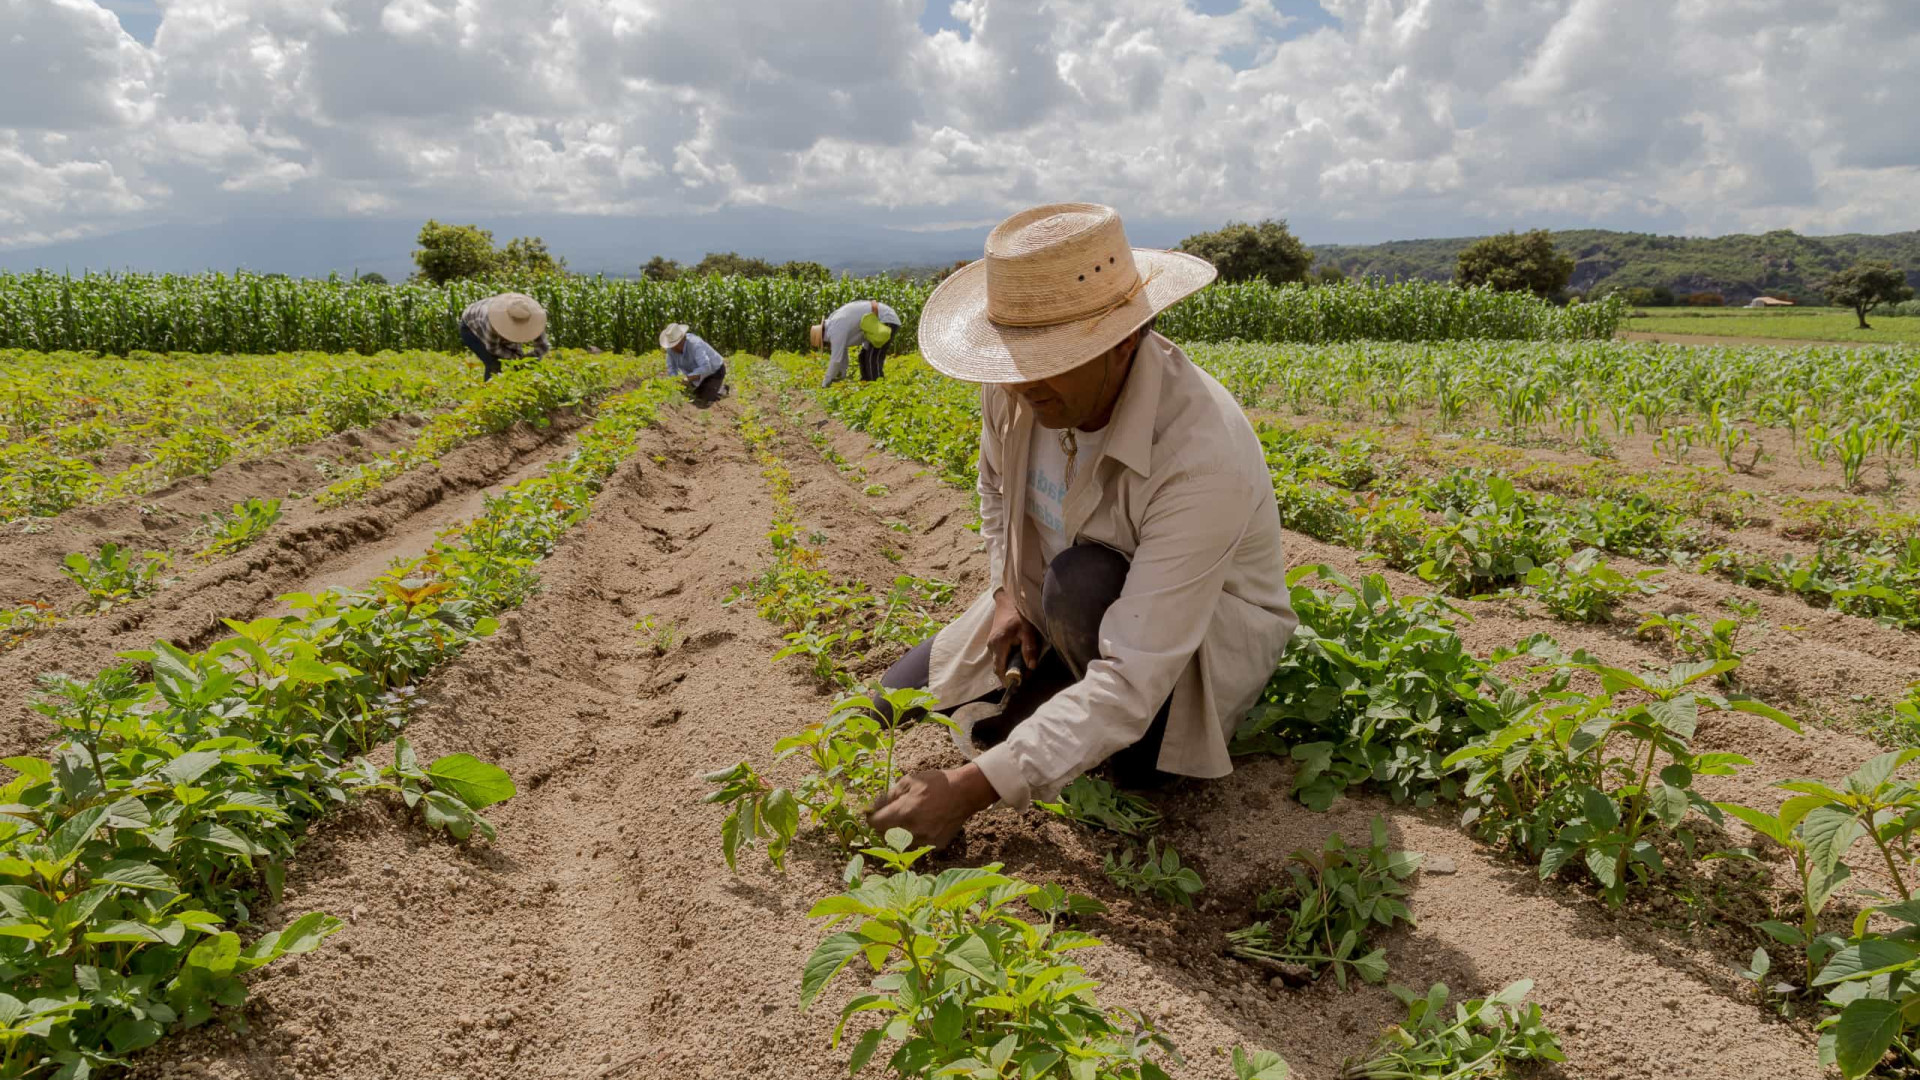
x: 495, y: 328
x: 868, y: 323
x: 696, y: 362
x: 1130, y: 525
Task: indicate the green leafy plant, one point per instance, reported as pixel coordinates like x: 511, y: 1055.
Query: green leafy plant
x: 1332, y: 902
x: 115, y: 575
x: 450, y: 792
x: 1259, y: 1065
x: 659, y: 634
x: 851, y: 759
x: 1694, y: 639
x: 1096, y: 803
x: 1158, y: 872
x: 1816, y: 879
x: 1374, y: 688
x: 1583, y: 588
x: 1480, y: 1039
x: 964, y: 985
x: 1622, y: 790
x: 237, y: 529
x: 1873, y: 983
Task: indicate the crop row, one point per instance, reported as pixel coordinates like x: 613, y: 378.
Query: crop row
x: 246, y: 313
x: 171, y: 805
x: 969, y: 972
x: 80, y: 428
x: 1586, y: 770
x: 1851, y: 408
x: 527, y: 393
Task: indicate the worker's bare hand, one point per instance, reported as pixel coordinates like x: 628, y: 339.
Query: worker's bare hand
x: 934, y: 804
x: 1011, y: 628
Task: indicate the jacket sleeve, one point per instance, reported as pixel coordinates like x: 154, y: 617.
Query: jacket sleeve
x: 540, y: 345
x: 993, y: 503
x: 1187, y: 537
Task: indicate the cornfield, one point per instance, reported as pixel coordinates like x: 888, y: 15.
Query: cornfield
x: 247, y: 313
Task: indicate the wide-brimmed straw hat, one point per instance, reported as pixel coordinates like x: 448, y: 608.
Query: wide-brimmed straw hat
x: 816, y: 334
x: 516, y: 317
x: 673, y: 335
x: 1059, y: 286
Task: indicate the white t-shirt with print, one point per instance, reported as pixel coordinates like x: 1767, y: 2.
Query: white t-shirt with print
x: 1047, y: 482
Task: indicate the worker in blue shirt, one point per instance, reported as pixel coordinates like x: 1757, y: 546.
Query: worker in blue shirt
x: 695, y: 361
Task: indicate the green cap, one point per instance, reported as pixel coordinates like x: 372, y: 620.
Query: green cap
x: 878, y: 333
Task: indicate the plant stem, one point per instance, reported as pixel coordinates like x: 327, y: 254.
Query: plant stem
x: 1898, y: 881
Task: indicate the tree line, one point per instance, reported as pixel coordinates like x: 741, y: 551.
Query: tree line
x: 1266, y: 251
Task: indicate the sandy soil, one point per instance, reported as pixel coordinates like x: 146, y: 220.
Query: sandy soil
x: 602, y: 936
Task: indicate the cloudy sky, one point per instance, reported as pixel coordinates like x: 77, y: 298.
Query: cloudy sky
x: 1356, y: 119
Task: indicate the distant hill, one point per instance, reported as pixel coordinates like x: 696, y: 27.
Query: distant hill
x: 1780, y: 263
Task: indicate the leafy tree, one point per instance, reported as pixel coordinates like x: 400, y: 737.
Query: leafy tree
x: 1706, y: 299
x: 1242, y: 252
x: 804, y: 271
x: 661, y: 268
x: 1326, y: 274
x: 528, y: 255
x: 1865, y: 286
x: 373, y: 277
x: 732, y: 264
x: 1515, y: 262
x: 451, y: 252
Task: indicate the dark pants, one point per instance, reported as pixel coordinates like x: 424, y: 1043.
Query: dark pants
x: 873, y: 362
x: 489, y: 363
x: 1081, y: 583
x: 707, y: 390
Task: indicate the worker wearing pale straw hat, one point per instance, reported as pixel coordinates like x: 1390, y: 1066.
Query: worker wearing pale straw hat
x: 696, y: 362
x: 866, y: 324
x: 497, y: 327
x: 1136, y: 578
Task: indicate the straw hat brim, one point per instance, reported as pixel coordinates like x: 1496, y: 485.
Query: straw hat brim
x: 674, y: 334
x: 517, y: 332
x: 958, y: 339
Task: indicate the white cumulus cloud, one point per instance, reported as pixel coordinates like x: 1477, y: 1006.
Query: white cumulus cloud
x: 1361, y: 119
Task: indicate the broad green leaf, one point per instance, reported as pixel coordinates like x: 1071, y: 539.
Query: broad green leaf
x: 472, y: 781
x: 1866, y: 1029
x: 1829, y: 832
x: 828, y: 958
x: 1759, y: 822
x: 1759, y: 708
x: 1869, y: 957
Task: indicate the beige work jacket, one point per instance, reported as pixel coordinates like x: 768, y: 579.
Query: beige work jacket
x: 1181, y: 488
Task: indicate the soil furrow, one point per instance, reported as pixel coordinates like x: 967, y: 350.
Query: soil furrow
x: 603, y: 937
x: 308, y: 548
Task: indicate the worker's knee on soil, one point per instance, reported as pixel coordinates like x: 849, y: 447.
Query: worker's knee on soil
x: 1081, y: 583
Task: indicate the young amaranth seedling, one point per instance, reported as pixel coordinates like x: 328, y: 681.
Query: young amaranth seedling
x: 852, y: 757
x: 965, y: 984
x: 1481, y: 1039
x: 1097, y: 804
x: 1159, y: 872
x: 1333, y: 900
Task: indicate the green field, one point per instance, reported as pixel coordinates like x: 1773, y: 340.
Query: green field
x: 1796, y: 324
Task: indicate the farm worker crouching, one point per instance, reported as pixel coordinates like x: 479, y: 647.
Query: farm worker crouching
x: 696, y: 362
x: 495, y: 328
x: 1132, y: 537
x: 868, y: 324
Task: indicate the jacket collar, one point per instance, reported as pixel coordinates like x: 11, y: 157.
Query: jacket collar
x: 1130, y: 440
